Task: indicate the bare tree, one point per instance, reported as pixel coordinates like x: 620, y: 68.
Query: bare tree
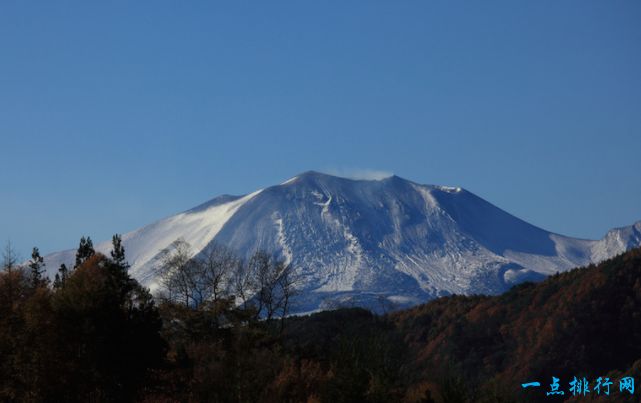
x: 9, y: 258
x: 176, y: 269
x: 194, y: 280
x: 12, y: 281
x: 272, y: 284
x: 242, y: 284
x: 264, y: 283
x: 218, y: 263
x: 287, y: 283
x: 263, y: 280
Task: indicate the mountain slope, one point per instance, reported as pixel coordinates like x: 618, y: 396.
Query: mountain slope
x: 584, y: 322
x: 357, y: 242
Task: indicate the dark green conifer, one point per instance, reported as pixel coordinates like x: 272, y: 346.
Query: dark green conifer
x: 118, y: 252
x: 61, y: 276
x: 36, y: 265
x: 85, y: 251
x: 120, y: 267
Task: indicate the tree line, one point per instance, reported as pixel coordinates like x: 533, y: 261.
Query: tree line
x: 95, y: 334
x: 92, y: 335
x: 215, y: 332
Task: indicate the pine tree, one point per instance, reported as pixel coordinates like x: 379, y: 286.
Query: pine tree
x: 85, y: 251
x: 61, y: 276
x: 119, y: 268
x: 118, y: 252
x: 36, y: 264
x: 80, y: 252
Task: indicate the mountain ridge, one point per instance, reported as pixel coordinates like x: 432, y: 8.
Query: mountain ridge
x: 355, y: 242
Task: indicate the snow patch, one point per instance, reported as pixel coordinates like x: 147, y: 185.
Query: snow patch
x: 282, y: 241
x: 198, y: 229
x: 290, y: 180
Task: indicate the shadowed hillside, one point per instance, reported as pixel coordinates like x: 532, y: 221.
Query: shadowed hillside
x: 96, y: 335
x: 586, y: 322
x: 583, y: 323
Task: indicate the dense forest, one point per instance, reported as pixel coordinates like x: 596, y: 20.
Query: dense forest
x: 219, y: 332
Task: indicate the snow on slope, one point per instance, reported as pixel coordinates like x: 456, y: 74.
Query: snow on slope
x: 197, y: 227
x: 355, y: 242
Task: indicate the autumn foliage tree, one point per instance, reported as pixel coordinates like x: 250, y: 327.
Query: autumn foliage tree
x: 95, y: 339
x: 109, y: 331
x: 99, y: 337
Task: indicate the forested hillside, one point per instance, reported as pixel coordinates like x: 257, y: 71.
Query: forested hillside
x: 96, y: 335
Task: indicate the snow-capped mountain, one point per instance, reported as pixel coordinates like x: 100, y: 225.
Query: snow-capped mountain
x: 367, y: 242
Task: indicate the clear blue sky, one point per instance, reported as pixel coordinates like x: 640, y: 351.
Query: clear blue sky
x: 115, y: 114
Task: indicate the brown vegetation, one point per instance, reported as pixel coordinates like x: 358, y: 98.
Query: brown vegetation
x: 98, y: 336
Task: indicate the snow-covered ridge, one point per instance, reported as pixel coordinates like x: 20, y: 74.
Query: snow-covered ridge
x: 197, y: 227
x: 357, y: 242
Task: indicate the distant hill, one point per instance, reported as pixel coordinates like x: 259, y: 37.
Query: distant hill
x: 584, y: 323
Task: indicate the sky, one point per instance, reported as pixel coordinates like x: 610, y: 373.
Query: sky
x: 116, y: 114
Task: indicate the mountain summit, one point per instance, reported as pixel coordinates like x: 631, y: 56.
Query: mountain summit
x: 368, y: 242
